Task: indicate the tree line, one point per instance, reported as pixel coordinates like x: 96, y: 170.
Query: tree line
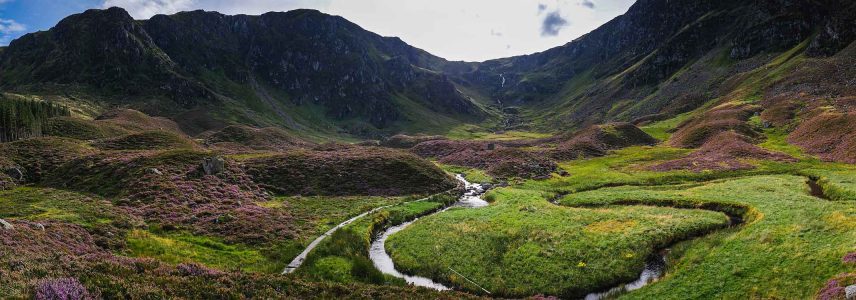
x: 21, y: 119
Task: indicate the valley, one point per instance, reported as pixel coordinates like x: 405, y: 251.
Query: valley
x: 703, y: 153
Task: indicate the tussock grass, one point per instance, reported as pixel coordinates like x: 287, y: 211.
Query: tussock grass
x: 788, y: 250
x: 522, y: 245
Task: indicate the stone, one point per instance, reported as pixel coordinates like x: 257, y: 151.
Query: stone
x: 154, y: 171
x: 6, y: 225
x: 850, y: 292
x: 491, y: 146
x: 213, y: 165
x: 40, y: 226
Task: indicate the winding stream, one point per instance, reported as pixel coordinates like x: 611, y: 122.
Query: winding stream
x: 655, y: 266
x: 383, y: 262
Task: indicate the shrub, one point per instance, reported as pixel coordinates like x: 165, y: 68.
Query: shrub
x: 61, y: 289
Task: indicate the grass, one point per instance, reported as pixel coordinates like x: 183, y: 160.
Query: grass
x: 499, y: 247
x: 620, y: 167
x: 475, y: 132
x: 36, y: 204
x: 470, y: 174
x: 316, y: 214
x: 176, y: 248
x: 343, y: 257
x: 788, y: 250
x: 838, y: 185
x: 522, y: 245
x: 777, y: 140
x: 662, y: 130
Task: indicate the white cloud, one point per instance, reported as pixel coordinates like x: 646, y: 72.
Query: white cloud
x: 8, y: 29
x: 144, y: 9
x: 8, y: 26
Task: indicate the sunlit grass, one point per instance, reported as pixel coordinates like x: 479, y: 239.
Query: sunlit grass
x: 523, y: 245
x: 791, y: 245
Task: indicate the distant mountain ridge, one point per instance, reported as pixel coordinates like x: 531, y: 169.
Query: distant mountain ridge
x: 266, y: 63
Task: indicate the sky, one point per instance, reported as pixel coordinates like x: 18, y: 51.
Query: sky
x: 471, y: 30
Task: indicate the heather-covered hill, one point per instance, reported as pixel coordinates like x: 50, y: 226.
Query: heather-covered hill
x: 348, y: 171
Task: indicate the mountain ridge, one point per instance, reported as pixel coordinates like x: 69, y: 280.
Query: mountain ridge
x: 308, y: 71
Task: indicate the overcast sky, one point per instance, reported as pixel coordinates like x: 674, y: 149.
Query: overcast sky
x: 472, y: 30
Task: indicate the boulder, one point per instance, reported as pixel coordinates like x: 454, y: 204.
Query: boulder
x: 6, y: 225
x: 213, y: 165
x: 850, y: 292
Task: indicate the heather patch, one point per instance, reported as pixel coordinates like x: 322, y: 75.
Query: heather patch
x: 727, y: 151
x: 725, y: 117
x: 504, y: 162
x: 172, y: 189
x: 835, y: 289
x: 38, y: 157
x: 442, y: 148
x: 61, y: 288
x: 597, y: 140
x: 500, y: 159
x: 832, y: 136
x: 348, y: 171
x: 238, y: 138
x: 147, y: 140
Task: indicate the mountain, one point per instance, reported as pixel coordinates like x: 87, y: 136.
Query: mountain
x: 662, y: 57
x: 205, y: 68
x: 317, y: 74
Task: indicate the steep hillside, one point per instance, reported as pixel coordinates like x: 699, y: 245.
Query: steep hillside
x: 662, y: 58
x: 300, y: 69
